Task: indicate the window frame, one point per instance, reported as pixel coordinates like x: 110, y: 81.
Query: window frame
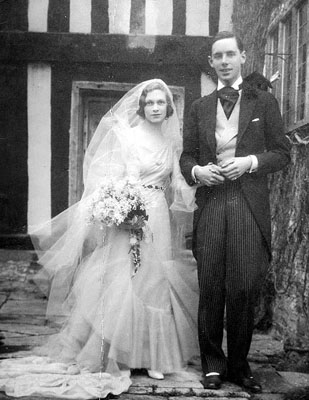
x: 299, y: 71
x: 280, y: 91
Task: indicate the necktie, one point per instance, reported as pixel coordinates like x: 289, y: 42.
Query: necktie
x: 228, y: 97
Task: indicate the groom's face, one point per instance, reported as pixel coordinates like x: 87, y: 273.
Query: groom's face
x: 226, y: 59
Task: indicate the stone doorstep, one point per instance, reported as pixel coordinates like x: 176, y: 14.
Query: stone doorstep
x: 267, y: 396
x: 24, y: 307
x: 24, y: 295
x: 185, y: 393
x: 11, y: 329
x: 36, y: 320
x: 17, y: 255
x: 202, y: 393
x: 23, y: 342
x: 128, y: 396
x: 182, y: 384
x: 206, y: 396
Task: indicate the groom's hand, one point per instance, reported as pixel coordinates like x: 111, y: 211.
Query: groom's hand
x: 236, y: 167
x: 209, y: 175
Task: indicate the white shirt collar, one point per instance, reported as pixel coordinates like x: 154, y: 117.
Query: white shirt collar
x: 235, y: 84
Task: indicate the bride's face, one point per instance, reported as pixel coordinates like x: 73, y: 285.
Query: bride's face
x: 155, y: 106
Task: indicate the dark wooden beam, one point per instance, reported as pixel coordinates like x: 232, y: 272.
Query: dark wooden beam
x: 14, y: 15
x: 137, y: 16
x: 59, y: 16
x: 179, y: 17
x: 214, y: 16
x: 99, y: 16
x: 103, y: 48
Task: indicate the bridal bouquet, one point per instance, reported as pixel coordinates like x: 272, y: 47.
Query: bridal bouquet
x: 121, y: 203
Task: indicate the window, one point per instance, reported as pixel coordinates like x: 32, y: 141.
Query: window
x: 286, y: 53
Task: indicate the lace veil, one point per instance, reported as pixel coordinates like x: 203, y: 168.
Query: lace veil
x: 64, y: 242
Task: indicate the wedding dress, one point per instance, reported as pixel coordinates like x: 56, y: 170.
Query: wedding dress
x: 112, y: 321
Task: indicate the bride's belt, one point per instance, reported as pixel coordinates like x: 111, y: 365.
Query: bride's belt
x: 154, y: 187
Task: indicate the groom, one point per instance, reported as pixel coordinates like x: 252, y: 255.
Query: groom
x: 233, y: 138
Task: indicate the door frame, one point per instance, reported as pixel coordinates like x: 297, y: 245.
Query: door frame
x: 77, y: 126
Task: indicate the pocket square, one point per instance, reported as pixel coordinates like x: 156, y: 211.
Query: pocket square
x: 255, y: 119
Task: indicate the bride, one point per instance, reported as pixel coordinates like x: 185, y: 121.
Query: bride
x: 114, y: 316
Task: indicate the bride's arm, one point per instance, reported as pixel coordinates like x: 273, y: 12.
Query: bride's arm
x: 132, y: 161
x: 183, y: 194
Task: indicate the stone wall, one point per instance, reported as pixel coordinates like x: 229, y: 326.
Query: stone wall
x: 290, y: 267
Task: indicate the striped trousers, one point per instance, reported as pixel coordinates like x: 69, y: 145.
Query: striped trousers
x: 232, y: 263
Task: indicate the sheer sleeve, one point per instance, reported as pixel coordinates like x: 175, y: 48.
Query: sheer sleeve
x: 132, y: 161
x: 183, y: 195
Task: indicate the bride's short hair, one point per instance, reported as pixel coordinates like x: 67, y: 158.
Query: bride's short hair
x: 149, y: 88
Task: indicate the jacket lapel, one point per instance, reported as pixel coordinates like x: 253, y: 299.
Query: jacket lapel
x: 210, y: 112
x: 247, y: 105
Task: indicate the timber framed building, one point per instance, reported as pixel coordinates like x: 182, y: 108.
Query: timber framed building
x: 63, y: 64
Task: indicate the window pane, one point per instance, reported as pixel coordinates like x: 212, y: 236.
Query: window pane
x: 274, y: 58
x: 287, y: 73
x: 302, y: 60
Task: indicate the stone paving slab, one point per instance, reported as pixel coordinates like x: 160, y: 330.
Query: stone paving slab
x: 264, y: 347
x: 271, y: 380
x: 296, y: 379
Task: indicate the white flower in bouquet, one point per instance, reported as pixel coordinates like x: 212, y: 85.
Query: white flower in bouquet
x: 116, y: 202
x: 121, y: 203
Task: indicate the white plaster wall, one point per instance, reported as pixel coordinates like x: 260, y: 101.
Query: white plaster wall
x: 119, y: 16
x: 226, y: 11
x: 80, y: 16
x: 207, y: 84
x: 39, y: 143
x: 197, y: 14
x: 38, y: 15
x: 159, y: 17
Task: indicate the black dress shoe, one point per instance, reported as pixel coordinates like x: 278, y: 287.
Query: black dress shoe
x: 213, y: 382
x: 247, y: 382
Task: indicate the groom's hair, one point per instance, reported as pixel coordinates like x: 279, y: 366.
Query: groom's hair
x: 226, y: 35
x: 142, y: 100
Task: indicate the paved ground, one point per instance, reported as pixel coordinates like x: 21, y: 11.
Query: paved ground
x: 22, y: 325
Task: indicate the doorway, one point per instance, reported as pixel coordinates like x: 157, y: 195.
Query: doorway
x: 90, y: 101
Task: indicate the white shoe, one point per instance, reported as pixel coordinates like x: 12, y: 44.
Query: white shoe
x: 155, y: 374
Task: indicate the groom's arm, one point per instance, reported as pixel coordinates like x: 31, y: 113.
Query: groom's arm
x: 191, y: 148
x: 277, y: 146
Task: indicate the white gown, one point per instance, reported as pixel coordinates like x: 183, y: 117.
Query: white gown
x: 118, y: 322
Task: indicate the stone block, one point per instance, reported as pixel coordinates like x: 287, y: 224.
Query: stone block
x: 295, y: 378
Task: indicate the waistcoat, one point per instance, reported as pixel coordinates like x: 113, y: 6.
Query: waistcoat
x: 226, y: 132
